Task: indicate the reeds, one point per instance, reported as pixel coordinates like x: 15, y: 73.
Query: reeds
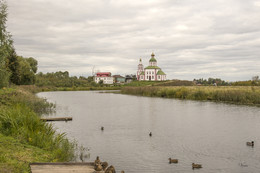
x: 12, y: 96
x: 20, y: 113
x: 22, y: 123
x: 230, y: 94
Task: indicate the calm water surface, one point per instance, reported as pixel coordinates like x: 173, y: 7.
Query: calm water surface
x: 209, y: 133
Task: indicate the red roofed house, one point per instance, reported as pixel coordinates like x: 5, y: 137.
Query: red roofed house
x: 105, y: 77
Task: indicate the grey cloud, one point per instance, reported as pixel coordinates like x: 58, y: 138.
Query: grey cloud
x: 190, y: 38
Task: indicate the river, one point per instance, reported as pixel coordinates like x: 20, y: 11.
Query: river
x: 212, y: 134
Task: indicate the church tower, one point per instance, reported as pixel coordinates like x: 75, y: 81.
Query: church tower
x: 140, y: 69
x: 152, y: 61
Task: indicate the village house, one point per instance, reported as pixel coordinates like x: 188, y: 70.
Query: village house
x: 105, y: 77
x: 151, y: 72
x: 119, y: 79
x: 130, y: 78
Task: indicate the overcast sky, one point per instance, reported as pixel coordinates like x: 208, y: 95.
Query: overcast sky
x: 190, y: 38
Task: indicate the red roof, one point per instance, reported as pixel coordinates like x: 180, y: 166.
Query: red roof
x: 103, y: 74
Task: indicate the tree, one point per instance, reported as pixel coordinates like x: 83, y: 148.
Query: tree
x: 33, y: 64
x: 12, y: 65
x: 26, y: 71
x: 6, y: 45
x: 90, y: 78
x: 255, y: 78
x: 17, y: 70
x: 101, y: 82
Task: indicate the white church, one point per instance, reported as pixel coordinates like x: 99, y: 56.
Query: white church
x: 151, y: 72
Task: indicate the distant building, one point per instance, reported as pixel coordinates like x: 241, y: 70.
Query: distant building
x: 151, y: 72
x: 105, y: 77
x: 119, y: 79
x: 130, y: 78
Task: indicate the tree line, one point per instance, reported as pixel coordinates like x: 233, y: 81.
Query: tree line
x: 62, y: 79
x: 14, y: 69
x: 211, y: 81
x: 219, y: 82
x: 254, y: 82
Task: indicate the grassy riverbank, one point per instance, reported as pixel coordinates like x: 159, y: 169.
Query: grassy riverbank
x: 36, y: 89
x: 23, y: 137
x: 230, y: 94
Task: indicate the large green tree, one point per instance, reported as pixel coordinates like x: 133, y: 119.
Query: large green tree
x: 26, y: 69
x: 14, y: 69
x: 12, y: 65
x: 6, y: 45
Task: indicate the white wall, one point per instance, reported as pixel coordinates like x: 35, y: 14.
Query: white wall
x: 150, y: 73
x: 106, y: 80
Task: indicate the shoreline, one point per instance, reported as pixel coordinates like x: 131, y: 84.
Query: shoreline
x: 238, y: 95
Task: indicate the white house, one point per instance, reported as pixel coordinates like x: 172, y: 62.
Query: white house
x: 105, y: 77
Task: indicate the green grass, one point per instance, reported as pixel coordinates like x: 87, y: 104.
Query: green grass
x: 43, y: 89
x: 231, y: 94
x: 22, y: 123
x: 160, y: 83
x: 20, y: 112
x: 176, y: 83
x: 143, y: 83
x: 19, y: 95
x: 15, y: 156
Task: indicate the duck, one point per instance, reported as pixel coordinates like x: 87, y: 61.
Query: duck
x: 243, y: 165
x: 173, y: 160
x: 196, y: 165
x: 98, y: 167
x: 104, y: 165
x: 252, y: 143
x: 110, y: 169
x: 97, y: 161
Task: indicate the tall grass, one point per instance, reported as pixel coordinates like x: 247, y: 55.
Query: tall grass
x: 143, y: 83
x: 20, y: 112
x: 12, y: 96
x: 237, y: 95
x: 43, y: 89
x: 25, y: 125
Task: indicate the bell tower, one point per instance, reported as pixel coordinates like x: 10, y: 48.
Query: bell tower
x: 140, y: 69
